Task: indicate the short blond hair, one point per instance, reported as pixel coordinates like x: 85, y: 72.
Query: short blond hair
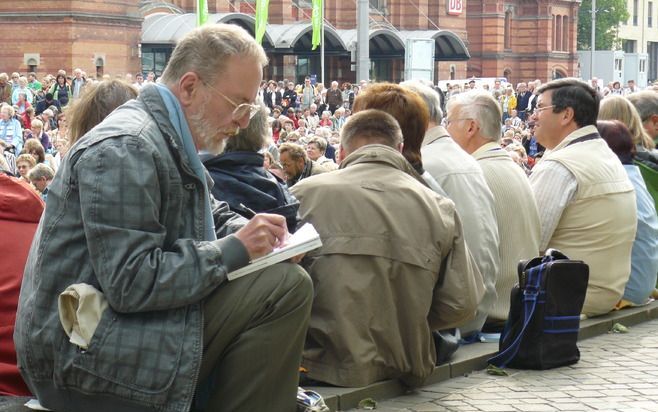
x: 36, y: 123
x: 27, y: 158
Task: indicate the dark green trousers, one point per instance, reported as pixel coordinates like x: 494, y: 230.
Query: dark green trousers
x: 254, y: 331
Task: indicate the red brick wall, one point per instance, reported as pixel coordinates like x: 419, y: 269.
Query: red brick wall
x: 70, y: 40
x: 113, y: 29
x: 531, y: 54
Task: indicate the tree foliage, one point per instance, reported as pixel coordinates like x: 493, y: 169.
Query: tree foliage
x: 609, y: 14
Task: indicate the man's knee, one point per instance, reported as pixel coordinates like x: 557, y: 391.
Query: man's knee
x: 292, y: 280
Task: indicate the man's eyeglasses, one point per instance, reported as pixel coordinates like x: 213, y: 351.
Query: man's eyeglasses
x: 239, y: 110
x: 541, y: 109
x: 450, y: 121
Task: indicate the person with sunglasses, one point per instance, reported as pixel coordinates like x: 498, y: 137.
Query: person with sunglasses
x: 130, y: 225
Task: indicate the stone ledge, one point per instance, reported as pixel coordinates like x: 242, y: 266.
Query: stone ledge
x: 467, y: 359
x: 474, y: 357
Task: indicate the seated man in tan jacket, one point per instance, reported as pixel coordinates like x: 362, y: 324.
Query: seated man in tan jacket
x: 393, y: 266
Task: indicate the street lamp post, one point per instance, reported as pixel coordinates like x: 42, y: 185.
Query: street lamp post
x: 592, y: 46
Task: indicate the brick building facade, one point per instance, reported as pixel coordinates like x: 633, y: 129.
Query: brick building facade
x: 47, y: 35
x: 522, y: 39
x: 518, y: 39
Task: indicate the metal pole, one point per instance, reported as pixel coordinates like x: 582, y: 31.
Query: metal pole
x: 593, y: 46
x: 322, y: 47
x: 362, y: 41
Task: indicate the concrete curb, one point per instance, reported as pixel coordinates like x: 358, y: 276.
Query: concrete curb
x: 468, y: 358
x: 474, y: 357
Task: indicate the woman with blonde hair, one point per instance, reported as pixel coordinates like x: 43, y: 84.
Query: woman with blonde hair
x: 25, y: 163
x: 95, y: 104
x: 620, y: 108
x: 644, y: 154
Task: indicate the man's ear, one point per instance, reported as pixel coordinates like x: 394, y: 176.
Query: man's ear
x: 567, y: 115
x: 189, y: 86
x: 654, y: 119
x: 473, y: 127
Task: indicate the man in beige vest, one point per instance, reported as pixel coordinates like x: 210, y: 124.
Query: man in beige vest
x: 586, y: 202
x: 473, y: 121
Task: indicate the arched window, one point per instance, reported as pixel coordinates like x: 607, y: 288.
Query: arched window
x: 507, y: 74
x: 32, y: 65
x: 100, y: 63
x: 559, y: 74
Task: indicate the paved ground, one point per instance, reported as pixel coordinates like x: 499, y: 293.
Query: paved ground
x: 616, y: 372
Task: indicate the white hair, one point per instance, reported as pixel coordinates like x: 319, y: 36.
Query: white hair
x: 481, y: 106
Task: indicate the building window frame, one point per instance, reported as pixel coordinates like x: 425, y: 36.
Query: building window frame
x: 379, y: 5
x: 508, y: 30
x: 565, y: 33
x: 635, y: 12
x: 650, y: 14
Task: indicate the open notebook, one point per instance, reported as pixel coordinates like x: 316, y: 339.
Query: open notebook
x: 303, y: 240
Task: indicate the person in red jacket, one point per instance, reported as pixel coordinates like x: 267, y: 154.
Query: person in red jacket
x: 20, y: 211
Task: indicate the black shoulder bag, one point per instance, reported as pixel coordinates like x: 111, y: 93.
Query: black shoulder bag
x: 544, y: 318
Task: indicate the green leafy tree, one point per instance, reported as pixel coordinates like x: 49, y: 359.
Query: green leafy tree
x: 609, y: 14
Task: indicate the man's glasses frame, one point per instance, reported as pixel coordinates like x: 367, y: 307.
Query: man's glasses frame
x: 239, y: 110
x: 541, y: 109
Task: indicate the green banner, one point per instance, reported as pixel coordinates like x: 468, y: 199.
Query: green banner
x: 201, y: 12
x: 316, y: 21
x: 262, y: 7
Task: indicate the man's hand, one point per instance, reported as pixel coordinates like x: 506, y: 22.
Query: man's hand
x: 263, y: 233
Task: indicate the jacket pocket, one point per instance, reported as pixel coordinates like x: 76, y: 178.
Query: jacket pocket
x: 130, y: 353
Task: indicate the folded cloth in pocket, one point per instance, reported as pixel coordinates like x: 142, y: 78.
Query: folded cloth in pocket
x: 80, y: 309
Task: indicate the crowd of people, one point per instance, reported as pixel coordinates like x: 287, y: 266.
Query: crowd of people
x: 425, y: 201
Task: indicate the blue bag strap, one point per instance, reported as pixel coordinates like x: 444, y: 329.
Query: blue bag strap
x: 530, y: 294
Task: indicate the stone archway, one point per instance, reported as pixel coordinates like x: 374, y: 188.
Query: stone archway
x: 559, y: 74
x: 507, y: 74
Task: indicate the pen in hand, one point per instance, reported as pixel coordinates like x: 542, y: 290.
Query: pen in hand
x: 280, y: 239
x: 253, y: 213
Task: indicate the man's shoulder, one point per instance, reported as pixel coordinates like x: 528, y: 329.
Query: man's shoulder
x: 446, y: 156
x: 354, y: 178
x: 322, y: 182
x: 504, y: 171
